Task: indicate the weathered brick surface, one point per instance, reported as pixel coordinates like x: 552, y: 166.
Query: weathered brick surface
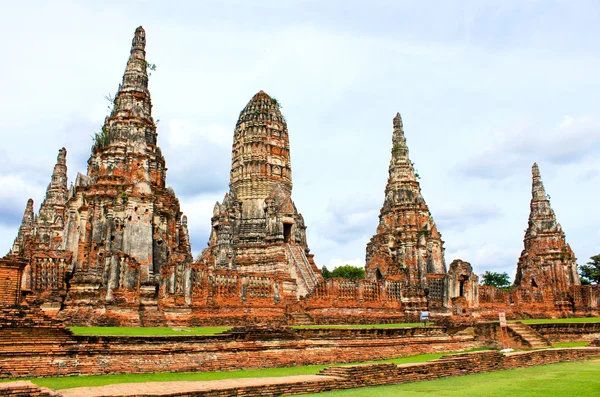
x: 336, y: 378
x: 25, y: 389
x: 59, y: 354
x: 11, y: 271
x: 565, y: 332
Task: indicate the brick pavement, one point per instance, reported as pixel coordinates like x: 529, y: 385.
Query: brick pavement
x: 195, y: 387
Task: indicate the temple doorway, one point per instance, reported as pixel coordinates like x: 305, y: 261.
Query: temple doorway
x: 287, y: 232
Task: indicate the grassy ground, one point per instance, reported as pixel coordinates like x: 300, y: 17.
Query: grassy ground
x: 100, y: 380
x: 561, y: 345
x: 556, y: 380
x: 147, y: 331
x: 156, y: 331
x: 561, y: 320
x: 401, y: 325
x: 159, y: 331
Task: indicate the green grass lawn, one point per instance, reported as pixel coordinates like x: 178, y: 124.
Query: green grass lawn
x: 561, y: 320
x: 561, y: 345
x: 147, y: 331
x: 361, y: 326
x: 556, y: 380
x: 100, y: 380
x: 166, y: 331
x: 158, y: 331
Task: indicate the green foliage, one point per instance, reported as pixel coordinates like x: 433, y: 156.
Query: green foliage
x: 146, y: 331
x: 150, y: 66
x: 101, y: 139
x: 325, y: 273
x: 276, y: 102
x: 590, y: 273
x: 348, y: 272
x: 493, y: 279
x: 124, y: 198
x: 561, y: 320
x: 395, y: 148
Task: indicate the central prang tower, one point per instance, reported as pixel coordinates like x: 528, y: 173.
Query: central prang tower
x: 257, y: 229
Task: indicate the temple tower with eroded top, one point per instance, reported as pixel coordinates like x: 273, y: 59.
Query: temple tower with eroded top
x: 257, y: 229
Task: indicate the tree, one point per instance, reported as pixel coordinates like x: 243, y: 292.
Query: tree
x: 590, y: 273
x: 325, y: 273
x: 493, y: 279
x: 347, y: 271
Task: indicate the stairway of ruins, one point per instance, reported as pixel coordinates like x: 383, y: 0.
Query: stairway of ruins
x: 300, y: 318
x: 303, y: 267
x: 527, y: 335
x: 151, y: 316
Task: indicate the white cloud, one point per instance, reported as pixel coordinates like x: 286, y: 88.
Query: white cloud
x: 337, y: 262
x: 183, y: 133
x: 483, y: 90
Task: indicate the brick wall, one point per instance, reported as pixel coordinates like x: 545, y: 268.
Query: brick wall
x: 10, y: 281
x: 336, y: 378
x: 61, y: 354
x: 566, y: 332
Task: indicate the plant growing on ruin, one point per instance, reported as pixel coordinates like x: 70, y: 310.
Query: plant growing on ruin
x: 101, y: 139
x: 395, y: 148
x: 124, y: 198
x: 276, y: 102
x: 151, y: 67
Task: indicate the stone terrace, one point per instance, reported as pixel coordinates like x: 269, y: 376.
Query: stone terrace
x: 333, y: 378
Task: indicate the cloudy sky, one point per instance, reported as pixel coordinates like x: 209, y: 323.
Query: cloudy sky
x: 485, y: 88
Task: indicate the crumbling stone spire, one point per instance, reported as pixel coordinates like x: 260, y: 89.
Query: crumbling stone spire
x: 56, y: 193
x: 407, y: 245
x: 50, y: 222
x: 25, y: 230
x: 124, y: 226
x: 541, y: 215
x: 257, y: 228
x: 132, y: 105
x: 261, y: 150
x: 401, y: 170
x: 547, y: 259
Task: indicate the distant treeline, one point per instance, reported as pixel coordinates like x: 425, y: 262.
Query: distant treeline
x: 348, y: 272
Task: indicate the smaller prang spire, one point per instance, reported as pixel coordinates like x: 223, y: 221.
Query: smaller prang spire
x: 50, y: 222
x: 56, y: 193
x: 546, y: 260
x: 25, y: 230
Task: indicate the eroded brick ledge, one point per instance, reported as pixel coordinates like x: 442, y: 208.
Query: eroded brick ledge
x: 332, y: 378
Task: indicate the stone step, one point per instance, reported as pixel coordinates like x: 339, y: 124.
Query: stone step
x: 528, y: 335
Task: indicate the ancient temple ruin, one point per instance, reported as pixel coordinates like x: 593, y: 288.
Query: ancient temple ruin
x: 113, y: 248
x: 124, y: 227
x: 407, y: 245
x: 547, y: 259
x: 256, y: 229
x: 119, y: 229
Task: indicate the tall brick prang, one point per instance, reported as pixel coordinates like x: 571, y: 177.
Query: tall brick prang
x: 257, y: 229
x: 407, y: 245
x: 547, y: 260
